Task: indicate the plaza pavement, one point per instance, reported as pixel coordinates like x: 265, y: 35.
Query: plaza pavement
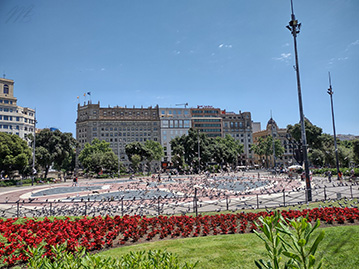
x: 170, y: 195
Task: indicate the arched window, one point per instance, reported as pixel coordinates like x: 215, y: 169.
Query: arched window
x: 6, y: 89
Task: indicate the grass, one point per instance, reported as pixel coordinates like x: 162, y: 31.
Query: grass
x: 339, y: 249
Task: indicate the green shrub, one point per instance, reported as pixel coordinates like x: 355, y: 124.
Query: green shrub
x: 82, y: 259
x: 344, y: 170
x: 292, y: 239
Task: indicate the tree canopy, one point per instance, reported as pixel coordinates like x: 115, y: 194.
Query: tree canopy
x: 98, y: 156
x: 264, y: 147
x: 14, y: 154
x: 148, y: 151
x: 312, y: 133
x: 196, y: 150
x: 53, y: 148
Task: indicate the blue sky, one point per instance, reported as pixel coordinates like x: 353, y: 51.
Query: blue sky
x: 231, y: 54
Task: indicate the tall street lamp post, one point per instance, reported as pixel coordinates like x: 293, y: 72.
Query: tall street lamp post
x: 294, y: 28
x: 33, y: 152
x: 330, y: 92
x: 199, y: 153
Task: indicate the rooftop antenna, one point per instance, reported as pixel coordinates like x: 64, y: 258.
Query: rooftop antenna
x: 294, y: 28
x: 330, y: 92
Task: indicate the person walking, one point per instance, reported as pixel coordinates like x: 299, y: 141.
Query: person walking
x: 329, y: 176
x: 75, y: 181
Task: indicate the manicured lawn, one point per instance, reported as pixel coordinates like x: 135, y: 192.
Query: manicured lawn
x: 339, y: 249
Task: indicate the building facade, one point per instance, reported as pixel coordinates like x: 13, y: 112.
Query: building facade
x: 117, y: 125
x: 14, y: 119
x: 174, y: 122
x: 208, y: 120
x: 239, y: 126
x: 272, y: 129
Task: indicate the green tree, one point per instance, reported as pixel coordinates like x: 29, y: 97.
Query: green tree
x: 226, y: 150
x: 68, y: 164
x: 14, y: 154
x: 316, y: 157
x: 259, y: 148
x: 135, y: 160
x: 327, y: 147
x: 264, y: 147
x: 356, y: 151
x: 156, y: 152
x: 98, y: 156
x: 52, y: 148
x: 187, y: 146
x: 312, y: 133
x: 138, y: 149
x: 345, y: 155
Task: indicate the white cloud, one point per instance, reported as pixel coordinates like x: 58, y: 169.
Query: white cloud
x: 355, y: 43
x: 285, y: 45
x: 284, y: 57
x: 229, y: 46
x: 103, y: 69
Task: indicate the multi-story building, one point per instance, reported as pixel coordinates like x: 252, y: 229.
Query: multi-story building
x: 117, y: 125
x: 239, y: 126
x: 174, y: 122
x: 272, y: 129
x: 14, y: 119
x: 208, y: 120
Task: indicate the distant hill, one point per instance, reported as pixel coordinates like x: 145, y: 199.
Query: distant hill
x: 343, y: 137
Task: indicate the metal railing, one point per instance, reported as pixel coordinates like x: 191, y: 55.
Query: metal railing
x: 175, y: 205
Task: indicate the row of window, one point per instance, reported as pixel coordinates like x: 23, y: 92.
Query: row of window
x: 129, y: 140
x: 174, y: 112
x: 210, y: 130
x: 121, y: 129
x: 6, y: 109
x: 175, y: 123
x: 205, y: 111
x: 15, y: 127
x: 11, y: 118
x: 2, y: 101
x: 175, y: 132
x: 126, y: 113
x: 207, y: 120
x: 123, y: 134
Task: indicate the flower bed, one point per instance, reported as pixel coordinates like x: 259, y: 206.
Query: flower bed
x: 102, y: 232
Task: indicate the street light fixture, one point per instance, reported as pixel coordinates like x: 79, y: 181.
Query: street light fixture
x: 294, y: 28
x: 330, y: 92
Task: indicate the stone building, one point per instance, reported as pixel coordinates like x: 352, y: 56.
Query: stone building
x: 117, y: 125
x: 14, y: 119
x: 239, y: 126
x: 272, y: 129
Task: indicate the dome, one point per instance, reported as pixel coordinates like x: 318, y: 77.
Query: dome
x: 271, y: 123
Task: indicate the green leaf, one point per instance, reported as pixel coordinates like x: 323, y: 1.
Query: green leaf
x: 292, y: 256
x: 267, y: 232
x: 302, y: 242
x: 316, y: 243
x: 311, y: 260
